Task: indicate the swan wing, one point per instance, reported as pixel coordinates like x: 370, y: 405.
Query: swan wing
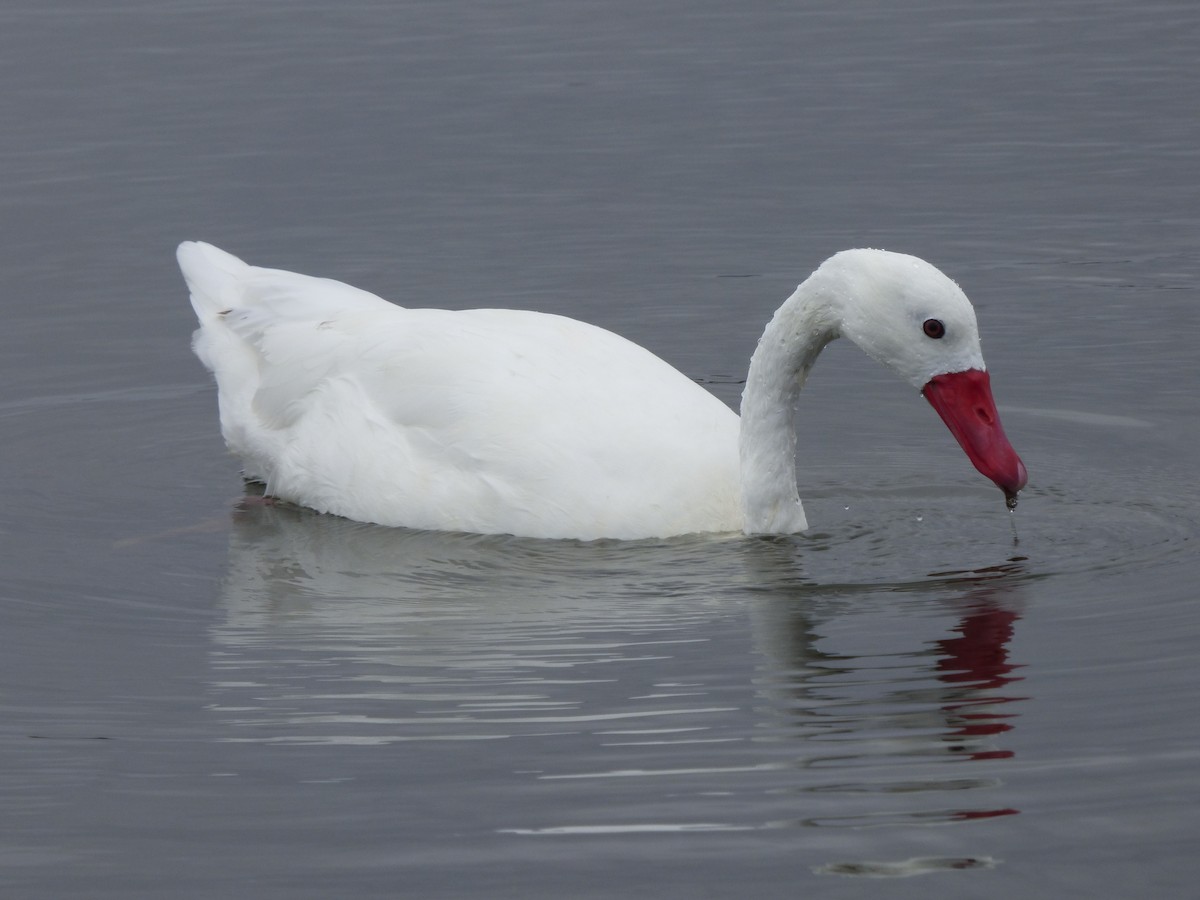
x: 478, y: 420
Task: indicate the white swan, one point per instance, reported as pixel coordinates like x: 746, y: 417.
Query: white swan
x: 504, y: 421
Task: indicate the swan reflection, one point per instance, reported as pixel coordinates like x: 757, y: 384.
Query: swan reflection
x: 696, y: 684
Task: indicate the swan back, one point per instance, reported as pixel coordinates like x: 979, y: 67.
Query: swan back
x: 486, y: 420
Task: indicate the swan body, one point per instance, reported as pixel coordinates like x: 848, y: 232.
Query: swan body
x: 507, y: 421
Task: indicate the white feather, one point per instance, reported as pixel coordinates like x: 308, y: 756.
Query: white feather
x: 504, y: 421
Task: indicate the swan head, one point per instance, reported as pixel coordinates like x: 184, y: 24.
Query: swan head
x: 916, y: 321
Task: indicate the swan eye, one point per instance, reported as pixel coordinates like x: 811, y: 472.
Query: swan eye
x: 934, y: 328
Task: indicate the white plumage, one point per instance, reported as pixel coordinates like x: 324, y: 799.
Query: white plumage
x: 491, y: 421
x: 505, y: 421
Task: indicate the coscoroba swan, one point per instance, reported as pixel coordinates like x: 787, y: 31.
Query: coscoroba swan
x: 504, y: 421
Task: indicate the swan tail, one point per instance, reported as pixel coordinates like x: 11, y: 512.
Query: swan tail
x: 217, y: 281
x: 214, y: 278
x: 269, y: 337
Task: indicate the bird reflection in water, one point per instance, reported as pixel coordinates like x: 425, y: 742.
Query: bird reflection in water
x: 896, y: 715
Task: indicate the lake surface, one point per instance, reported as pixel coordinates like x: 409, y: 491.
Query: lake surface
x: 201, y: 695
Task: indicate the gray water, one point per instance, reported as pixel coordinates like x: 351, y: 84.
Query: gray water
x: 203, y: 696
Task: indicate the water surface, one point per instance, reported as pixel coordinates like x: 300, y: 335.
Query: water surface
x: 201, y: 693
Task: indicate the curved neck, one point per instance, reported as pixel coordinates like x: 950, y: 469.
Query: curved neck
x: 789, y: 346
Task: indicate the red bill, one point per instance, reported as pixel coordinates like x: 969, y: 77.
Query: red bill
x: 964, y: 401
